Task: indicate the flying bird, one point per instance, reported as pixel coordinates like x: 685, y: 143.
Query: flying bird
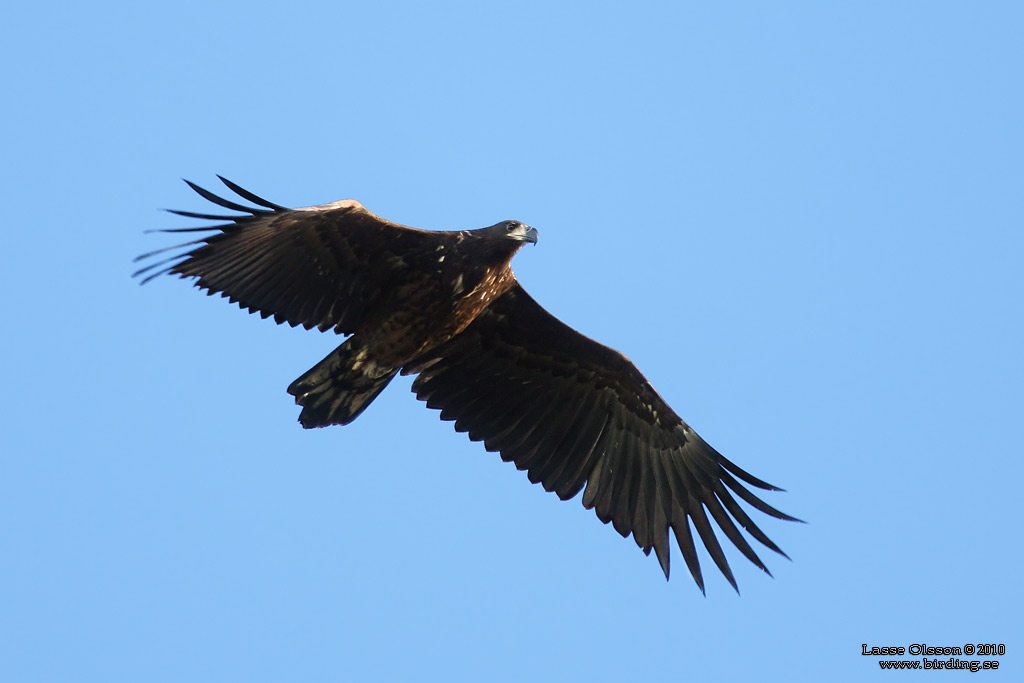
x: 445, y: 306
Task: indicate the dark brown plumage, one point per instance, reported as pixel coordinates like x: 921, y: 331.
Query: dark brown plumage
x: 576, y: 415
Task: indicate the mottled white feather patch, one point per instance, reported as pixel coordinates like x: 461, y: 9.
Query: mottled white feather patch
x: 340, y: 204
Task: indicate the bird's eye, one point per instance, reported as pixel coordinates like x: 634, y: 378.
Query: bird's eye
x: 511, y: 226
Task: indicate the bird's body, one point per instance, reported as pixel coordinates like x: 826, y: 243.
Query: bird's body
x: 446, y: 306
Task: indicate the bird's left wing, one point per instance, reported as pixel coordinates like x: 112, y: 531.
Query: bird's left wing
x: 574, y: 413
x: 320, y: 266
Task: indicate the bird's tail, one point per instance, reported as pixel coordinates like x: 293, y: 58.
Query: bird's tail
x: 334, y: 391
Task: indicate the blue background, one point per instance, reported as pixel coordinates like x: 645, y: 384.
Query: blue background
x: 802, y: 221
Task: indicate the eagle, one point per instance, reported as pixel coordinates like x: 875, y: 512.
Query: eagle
x: 446, y: 307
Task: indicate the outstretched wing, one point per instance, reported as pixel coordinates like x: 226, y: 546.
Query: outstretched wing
x: 322, y: 266
x: 572, y: 412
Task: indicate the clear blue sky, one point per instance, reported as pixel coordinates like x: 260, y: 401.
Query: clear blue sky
x: 802, y: 220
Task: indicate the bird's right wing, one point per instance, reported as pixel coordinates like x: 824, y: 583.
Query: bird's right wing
x: 574, y: 413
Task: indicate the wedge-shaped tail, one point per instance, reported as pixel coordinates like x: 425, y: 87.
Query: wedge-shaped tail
x: 338, y: 389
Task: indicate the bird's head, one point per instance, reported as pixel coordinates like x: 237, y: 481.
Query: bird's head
x: 510, y: 230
